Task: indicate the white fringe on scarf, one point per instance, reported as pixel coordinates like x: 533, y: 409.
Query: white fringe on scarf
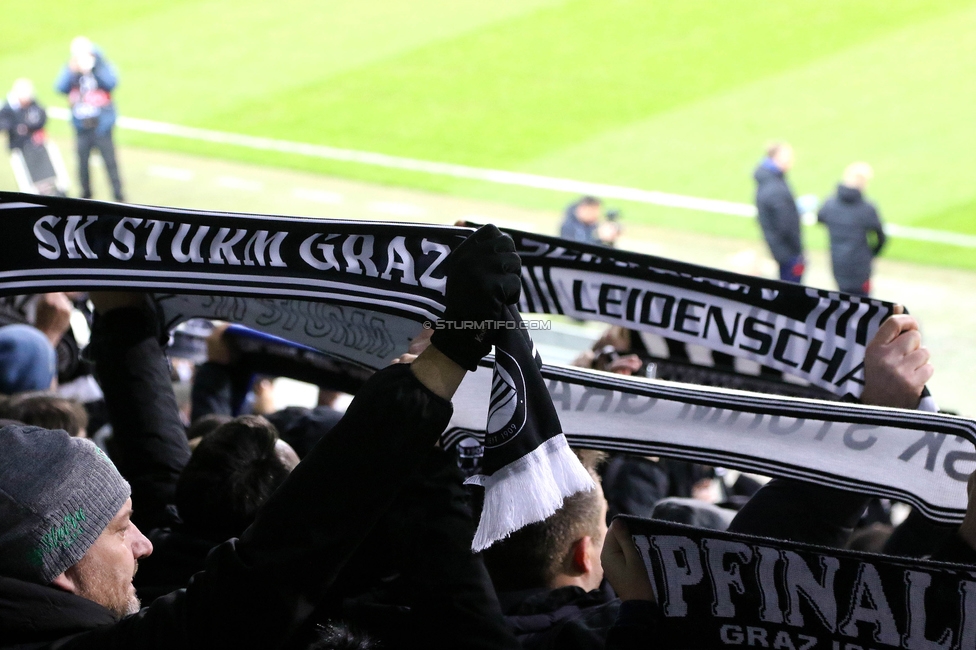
x: 528, y: 490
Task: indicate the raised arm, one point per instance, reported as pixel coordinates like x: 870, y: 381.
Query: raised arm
x: 896, y: 367
x: 256, y: 590
x: 150, y: 441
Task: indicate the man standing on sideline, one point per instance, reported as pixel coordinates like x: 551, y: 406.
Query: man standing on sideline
x: 856, y: 235
x: 88, y: 80
x: 778, y: 216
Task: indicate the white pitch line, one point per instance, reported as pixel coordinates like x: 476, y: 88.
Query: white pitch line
x: 318, y: 196
x: 924, y: 234
x: 235, y: 183
x: 173, y: 173
x: 498, y: 176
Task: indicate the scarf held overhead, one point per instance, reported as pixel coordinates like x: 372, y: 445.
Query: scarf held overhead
x: 359, y: 291
x: 812, y: 334
x: 917, y: 457
x: 528, y: 467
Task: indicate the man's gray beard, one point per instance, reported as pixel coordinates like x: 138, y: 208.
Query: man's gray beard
x: 114, y: 597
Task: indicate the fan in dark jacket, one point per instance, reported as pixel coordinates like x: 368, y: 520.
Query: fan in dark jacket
x: 549, y: 578
x: 778, y: 216
x: 856, y: 235
x: 69, y: 549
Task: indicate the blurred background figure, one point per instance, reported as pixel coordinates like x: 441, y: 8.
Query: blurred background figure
x: 583, y: 223
x: 856, y: 234
x: 88, y: 80
x: 36, y: 161
x: 27, y: 360
x: 21, y: 116
x: 777, y: 211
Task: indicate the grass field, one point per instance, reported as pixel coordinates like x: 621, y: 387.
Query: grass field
x: 677, y: 97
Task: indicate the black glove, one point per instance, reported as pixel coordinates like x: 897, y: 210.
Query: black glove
x: 483, y: 276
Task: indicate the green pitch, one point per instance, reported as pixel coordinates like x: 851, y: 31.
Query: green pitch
x: 670, y: 96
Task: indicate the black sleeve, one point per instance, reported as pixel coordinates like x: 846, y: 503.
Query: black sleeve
x: 879, y: 232
x: 456, y: 605
x: 956, y: 550
x: 636, y: 627
x: 256, y: 591
x: 801, y: 512
x: 212, y: 391
x: 149, y: 441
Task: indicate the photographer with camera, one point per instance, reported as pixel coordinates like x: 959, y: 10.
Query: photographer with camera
x: 582, y: 223
x: 88, y: 80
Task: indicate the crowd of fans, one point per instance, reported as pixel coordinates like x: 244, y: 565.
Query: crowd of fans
x: 309, y: 528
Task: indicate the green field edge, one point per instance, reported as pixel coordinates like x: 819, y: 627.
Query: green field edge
x: 917, y: 252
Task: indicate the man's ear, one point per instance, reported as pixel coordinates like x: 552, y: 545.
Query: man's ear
x: 583, y: 560
x: 66, y: 581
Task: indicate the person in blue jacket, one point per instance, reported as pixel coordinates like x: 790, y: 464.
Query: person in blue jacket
x: 582, y: 223
x: 88, y: 80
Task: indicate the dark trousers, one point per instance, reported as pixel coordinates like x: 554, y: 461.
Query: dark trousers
x: 87, y: 140
x: 854, y: 290
x: 792, y: 271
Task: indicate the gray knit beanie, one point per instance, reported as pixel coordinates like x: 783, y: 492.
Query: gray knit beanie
x: 57, y: 495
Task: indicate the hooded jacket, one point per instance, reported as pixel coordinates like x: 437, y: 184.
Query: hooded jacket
x: 778, y: 216
x: 849, y: 220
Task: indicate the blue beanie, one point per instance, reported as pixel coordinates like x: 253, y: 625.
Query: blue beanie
x: 27, y: 360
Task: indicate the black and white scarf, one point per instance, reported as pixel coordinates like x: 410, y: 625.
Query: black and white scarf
x: 816, y: 335
x: 528, y: 467
x: 722, y: 590
x: 359, y: 291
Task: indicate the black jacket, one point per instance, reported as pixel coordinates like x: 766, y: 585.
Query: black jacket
x: 778, y: 216
x: 567, y: 618
x: 21, y: 123
x: 257, y: 590
x: 849, y: 220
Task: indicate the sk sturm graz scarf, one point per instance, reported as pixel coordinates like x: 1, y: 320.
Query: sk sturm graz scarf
x: 528, y: 467
x: 719, y: 590
x: 359, y: 291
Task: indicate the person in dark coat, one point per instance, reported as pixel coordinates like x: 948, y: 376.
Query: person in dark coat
x: 856, y: 234
x: 22, y: 117
x: 778, y: 215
